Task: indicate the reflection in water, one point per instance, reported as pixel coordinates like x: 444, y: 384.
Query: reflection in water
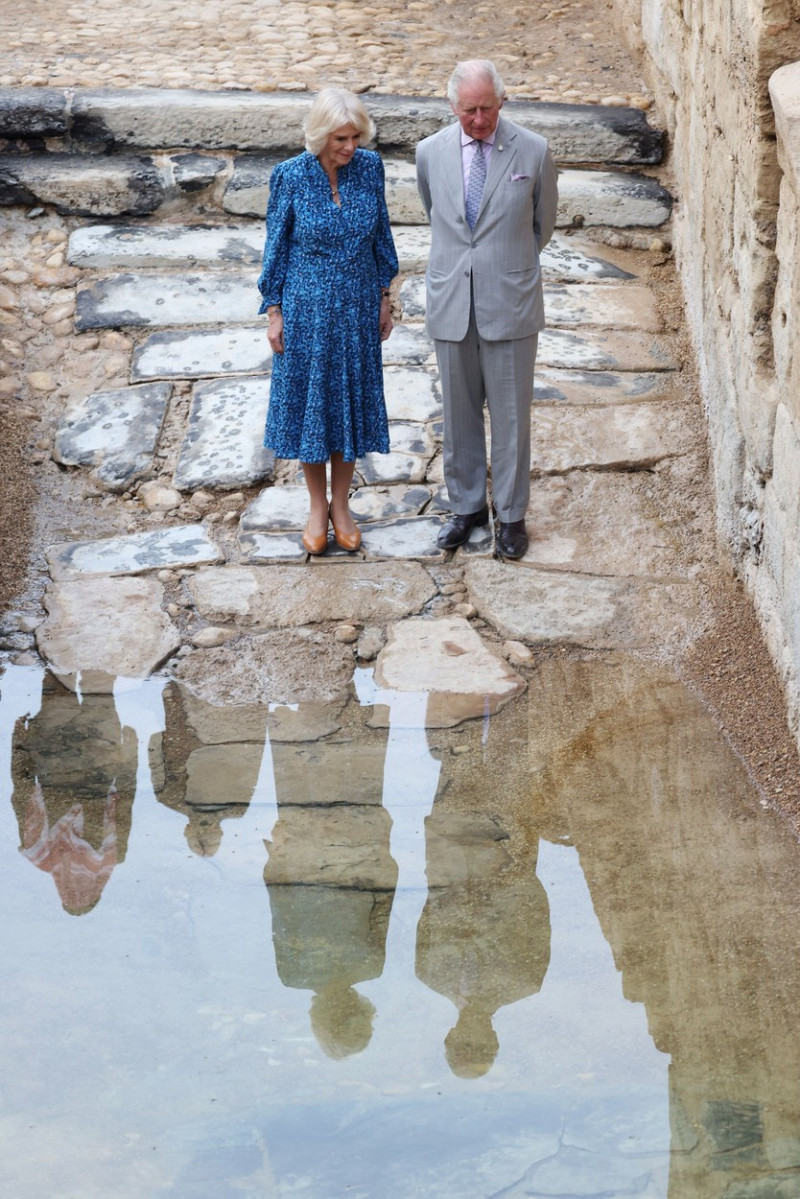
x: 198, y: 1068
x: 74, y: 771
x: 330, y: 875
x: 206, y: 763
x: 484, y: 934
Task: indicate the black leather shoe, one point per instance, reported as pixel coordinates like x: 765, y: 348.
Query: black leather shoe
x: 458, y: 528
x: 512, y: 539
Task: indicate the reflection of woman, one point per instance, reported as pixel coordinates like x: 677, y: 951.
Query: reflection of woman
x: 328, y: 262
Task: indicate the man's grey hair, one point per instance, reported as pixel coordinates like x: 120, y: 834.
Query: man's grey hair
x: 475, y: 70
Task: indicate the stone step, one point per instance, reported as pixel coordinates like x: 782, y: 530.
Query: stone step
x: 169, y: 300
x: 115, y: 432
x: 163, y: 119
x: 203, y: 353
x: 223, y: 447
x: 585, y: 197
x: 571, y: 305
x: 151, y: 247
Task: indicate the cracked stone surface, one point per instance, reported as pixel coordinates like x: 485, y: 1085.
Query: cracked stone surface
x: 162, y: 549
x: 116, y: 432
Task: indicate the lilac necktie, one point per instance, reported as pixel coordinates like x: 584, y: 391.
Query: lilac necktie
x: 477, y: 178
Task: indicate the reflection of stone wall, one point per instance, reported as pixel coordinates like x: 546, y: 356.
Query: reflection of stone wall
x: 687, y: 877
x: 74, y: 775
x: 710, y: 65
x: 206, y: 762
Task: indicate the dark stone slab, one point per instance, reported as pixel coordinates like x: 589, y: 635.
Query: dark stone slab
x: 82, y: 185
x: 248, y: 187
x: 193, y: 172
x: 32, y: 112
x: 115, y: 432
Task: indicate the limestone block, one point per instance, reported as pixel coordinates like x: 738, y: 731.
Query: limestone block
x: 273, y: 668
x: 623, y: 438
x: 152, y: 246
x: 115, y: 432
x: 158, y: 299
x: 133, y: 553
x: 200, y: 353
x: 194, y: 172
x: 463, y: 677
x: 103, y: 628
x: 552, y: 385
x: 83, y: 186
x: 32, y: 111
x: 785, y: 482
x: 223, y: 445
x: 284, y: 597
x: 613, y: 199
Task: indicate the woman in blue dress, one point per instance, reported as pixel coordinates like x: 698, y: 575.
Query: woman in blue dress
x: 328, y: 262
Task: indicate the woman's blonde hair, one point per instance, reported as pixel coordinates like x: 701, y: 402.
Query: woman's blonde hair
x: 332, y: 108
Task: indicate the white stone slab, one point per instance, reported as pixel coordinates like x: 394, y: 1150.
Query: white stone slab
x: 551, y: 607
x: 158, y: 300
x: 105, y: 628
x: 611, y: 198
x: 202, y: 353
x: 285, y: 597
x: 605, y: 350
x: 604, y: 523
x: 412, y: 448
x: 618, y: 306
x: 568, y: 260
x: 271, y: 547
x: 115, y: 431
x: 152, y: 246
x: 554, y: 386
x: 276, y: 509
x: 462, y: 675
x: 413, y: 246
x: 223, y: 446
x: 412, y: 393
x: 620, y: 437
x: 411, y: 537
x: 133, y: 553
x: 385, y: 503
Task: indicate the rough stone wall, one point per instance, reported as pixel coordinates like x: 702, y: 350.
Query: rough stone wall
x: 709, y: 63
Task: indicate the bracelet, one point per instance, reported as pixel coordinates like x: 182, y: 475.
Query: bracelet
x: 273, y: 308
x: 385, y: 291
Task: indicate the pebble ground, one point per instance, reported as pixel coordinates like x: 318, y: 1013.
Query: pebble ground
x: 572, y: 52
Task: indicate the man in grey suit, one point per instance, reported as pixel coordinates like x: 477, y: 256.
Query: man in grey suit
x: 489, y: 188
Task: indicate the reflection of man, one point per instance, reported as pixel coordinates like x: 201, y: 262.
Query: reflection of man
x: 489, y: 189
x: 484, y: 935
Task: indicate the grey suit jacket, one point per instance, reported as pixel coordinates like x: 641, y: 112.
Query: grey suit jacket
x: 501, y: 254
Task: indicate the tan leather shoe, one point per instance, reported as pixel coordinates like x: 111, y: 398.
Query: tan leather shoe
x: 315, y: 545
x: 345, y: 541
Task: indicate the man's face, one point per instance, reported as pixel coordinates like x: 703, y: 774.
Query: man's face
x: 477, y: 108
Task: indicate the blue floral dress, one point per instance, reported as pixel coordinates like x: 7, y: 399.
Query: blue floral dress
x: 325, y: 266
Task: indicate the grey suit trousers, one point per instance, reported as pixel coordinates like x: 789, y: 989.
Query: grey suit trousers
x: 500, y: 374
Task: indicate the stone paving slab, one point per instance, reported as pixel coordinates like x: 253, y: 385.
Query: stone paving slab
x: 602, y: 523
x: 162, y: 118
x: 125, y: 247
x: 386, y: 503
x: 257, y: 546
x: 278, y: 509
x: 223, y: 442
x: 281, y: 597
x: 627, y: 437
x: 273, y: 668
x: 204, y: 353
x: 619, y: 306
x: 120, y: 186
x: 159, y: 300
x: 412, y: 393
x: 103, y: 628
x: 132, y: 553
x: 549, y: 607
x: 404, y: 537
x: 448, y: 660
x: 412, y: 449
x: 115, y: 432
x: 552, y: 385
x: 605, y: 350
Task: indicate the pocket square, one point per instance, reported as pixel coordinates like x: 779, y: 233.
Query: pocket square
x: 516, y: 178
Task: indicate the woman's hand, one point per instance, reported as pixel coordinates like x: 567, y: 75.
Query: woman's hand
x: 385, y: 321
x: 275, y: 330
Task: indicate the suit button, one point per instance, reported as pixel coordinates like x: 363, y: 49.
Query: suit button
x: 466, y: 274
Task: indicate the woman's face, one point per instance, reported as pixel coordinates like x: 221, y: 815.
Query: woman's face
x: 341, y: 145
